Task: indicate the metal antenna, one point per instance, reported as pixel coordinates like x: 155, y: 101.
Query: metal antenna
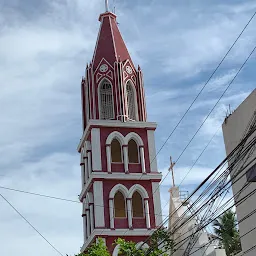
x: 106, y: 5
x: 171, y: 169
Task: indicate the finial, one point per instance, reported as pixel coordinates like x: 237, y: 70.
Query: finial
x: 106, y: 5
x: 171, y: 169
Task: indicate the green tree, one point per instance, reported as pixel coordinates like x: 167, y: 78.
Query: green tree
x: 96, y: 249
x: 225, y: 228
x: 128, y: 248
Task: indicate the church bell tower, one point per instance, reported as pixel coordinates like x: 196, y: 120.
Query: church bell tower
x: 120, y: 181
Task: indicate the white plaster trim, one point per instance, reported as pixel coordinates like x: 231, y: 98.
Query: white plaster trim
x: 99, y: 207
x: 119, y: 233
x: 113, y: 123
x: 116, y: 250
x: 93, y: 98
x: 97, y: 42
x: 126, y: 159
x: 157, y: 203
x: 102, y: 60
x: 121, y: 188
x: 135, y: 136
x: 129, y: 211
x: 152, y: 150
x: 113, y: 38
x: 142, y: 191
x: 135, y: 98
x: 96, y: 149
x: 131, y: 65
x: 115, y: 135
x: 119, y: 176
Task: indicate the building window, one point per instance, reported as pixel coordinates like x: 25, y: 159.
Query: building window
x: 106, y: 101
x: 133, y: 154
x: 131, y: 109
x: 116, y: 152
x: 137, y: 205
x: 119, y: 205
x: 251, y: 174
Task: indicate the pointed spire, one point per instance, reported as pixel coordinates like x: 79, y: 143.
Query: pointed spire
x: 106, y: 5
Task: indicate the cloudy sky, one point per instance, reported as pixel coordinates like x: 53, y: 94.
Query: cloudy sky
x: 44, y: 48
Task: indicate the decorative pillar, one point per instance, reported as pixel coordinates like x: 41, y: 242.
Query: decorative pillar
x: 126, y: 159
x: 108, y: 150
x: 91, y: 216
x: 147, y: 213
x: 129, y: 211
x: 86, y: 174
x: 142, y: 160
x: 82, y: 174
x: 88, y: 222
x: 84, y: 227
x: 89, y: 163
x: 111, y: 213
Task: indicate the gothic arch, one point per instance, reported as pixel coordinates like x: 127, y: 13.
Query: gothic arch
x: 115, y: 135
x: 132, y: 107
x: 141, y: 190
x: 121, y: 188
x: 135, y: 136
x: 116, y: 250
x: 107, y: 99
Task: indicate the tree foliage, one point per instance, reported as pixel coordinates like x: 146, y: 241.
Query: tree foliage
x: 97, y: 249
x: 160, y: 236
x: 129, y: 248
x: 225, y: 228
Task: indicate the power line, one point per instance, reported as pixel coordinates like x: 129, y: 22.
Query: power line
x: 31, y: 225
x: 243, y: 141
x: 59, y: 198
x: 222, y: 60
x: 41, y: 195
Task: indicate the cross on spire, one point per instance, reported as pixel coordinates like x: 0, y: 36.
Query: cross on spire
x: 171, y: 169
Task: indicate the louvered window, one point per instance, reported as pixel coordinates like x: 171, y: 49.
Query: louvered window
x: 106, y: 101
x: 130, y: 102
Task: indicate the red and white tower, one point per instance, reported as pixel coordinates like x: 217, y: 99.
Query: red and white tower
x: 120, y: 180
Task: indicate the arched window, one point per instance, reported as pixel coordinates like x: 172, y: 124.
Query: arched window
x: 116, y: 153
x: 106, y: 100
x: 133, y: 154
x: 137, y: 205
x: 119, y: 205
x: 131, y: 108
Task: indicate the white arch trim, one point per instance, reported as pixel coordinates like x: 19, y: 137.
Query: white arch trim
x: 98, y: 92
x: 115, y: 135
x: 121, y: 188
x: 139, y: 189
x: 116, y: 250
x: 135, y: 136
x: 124, y: 140
x: 129, y: 81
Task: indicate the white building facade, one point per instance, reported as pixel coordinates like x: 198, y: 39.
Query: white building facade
x: 234, y: 128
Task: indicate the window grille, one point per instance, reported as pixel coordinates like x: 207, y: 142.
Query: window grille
x: 106, y: 101
x: 130, y: 102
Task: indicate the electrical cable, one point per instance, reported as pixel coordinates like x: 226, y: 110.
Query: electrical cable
x: 31, y: 225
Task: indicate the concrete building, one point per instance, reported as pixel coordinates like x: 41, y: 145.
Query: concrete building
x: 202, y: 247
x: 120, y: 180
x: 234, y: 128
